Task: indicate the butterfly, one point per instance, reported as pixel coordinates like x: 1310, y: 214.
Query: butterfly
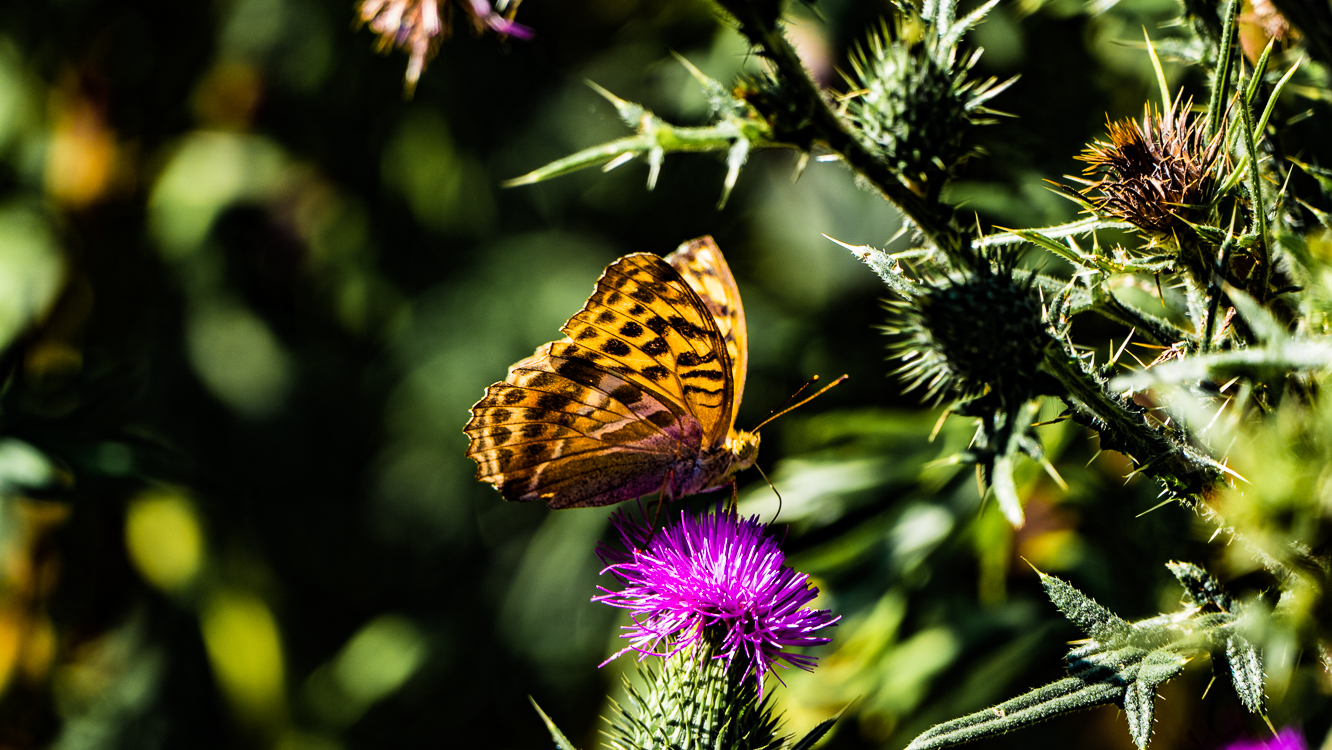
x: 639, y: 398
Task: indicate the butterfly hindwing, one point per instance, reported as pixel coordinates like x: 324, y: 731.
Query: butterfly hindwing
x: 532, y: 448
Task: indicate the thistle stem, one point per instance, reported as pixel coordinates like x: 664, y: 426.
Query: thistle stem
x: 935, y: 220
x: 1186, y: 472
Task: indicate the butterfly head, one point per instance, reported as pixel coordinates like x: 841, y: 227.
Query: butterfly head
x: 744, y: 447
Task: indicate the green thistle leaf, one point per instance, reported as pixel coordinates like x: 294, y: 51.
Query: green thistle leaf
x: 1083, y: 611
x: 1122, y: 663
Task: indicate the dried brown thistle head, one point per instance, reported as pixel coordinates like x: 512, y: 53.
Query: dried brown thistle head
x: 1155, y: 175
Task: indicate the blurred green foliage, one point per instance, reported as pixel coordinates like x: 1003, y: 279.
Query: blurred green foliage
x: 248, y: 292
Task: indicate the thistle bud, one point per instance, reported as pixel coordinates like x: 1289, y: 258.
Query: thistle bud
x: 915, y: 105
x: 968, y: 336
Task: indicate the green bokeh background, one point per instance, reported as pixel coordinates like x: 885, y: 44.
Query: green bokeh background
x: 249, y: 292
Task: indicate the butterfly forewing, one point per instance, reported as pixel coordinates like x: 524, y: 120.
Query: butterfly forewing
x: 666, y: 338
x: 644, y: 385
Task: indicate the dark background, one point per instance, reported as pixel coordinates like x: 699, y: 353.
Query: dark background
x: 254, y: 291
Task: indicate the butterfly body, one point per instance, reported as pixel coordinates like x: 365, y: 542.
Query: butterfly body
x: 640, y: 398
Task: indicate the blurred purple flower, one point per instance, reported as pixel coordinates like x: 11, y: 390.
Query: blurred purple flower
x: 418, y: 26
x: 715, y: 574
x: 1289, y: 738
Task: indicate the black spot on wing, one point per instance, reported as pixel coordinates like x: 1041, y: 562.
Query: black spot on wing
x: 657, y: 324
x: 538, y: 381
x: 551, y: 402
x: 655, y: 347
x: 580, y: 372
x: 615, y: 347
x: 713, y: 375
x: 690, y: 359
x: 686, y: 329
x: 656, y: 373
x: 627, y: 394
x: 699, y: 389
x: 662, y: 419
x: 631, y: 330
x: 512, y: 397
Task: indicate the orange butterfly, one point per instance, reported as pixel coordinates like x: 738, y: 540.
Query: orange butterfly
x: 639, y: 398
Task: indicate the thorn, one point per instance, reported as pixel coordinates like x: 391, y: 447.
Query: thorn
x: 1095, y: 456
x: 1115, y: 358
x: 801, y: 162
x: 1224, y: 404
x: 1233, y: 473
x: 693, y: 70
x: 1208, y: 689
x: 942, y: 417
x: 654, y: 165
x: 1050, y: 469
x: 617, y: 161
x: 862, y: 252
x: 734, y: 160
x: 1161, y: 504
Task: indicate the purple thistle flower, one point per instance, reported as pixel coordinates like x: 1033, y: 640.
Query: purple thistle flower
x: 1290, y: 738
x: 713, y: 574
x: 418, y: 26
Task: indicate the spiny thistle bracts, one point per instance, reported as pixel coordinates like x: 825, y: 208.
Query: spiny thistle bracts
x: 915, y: 105
x: 970, y: 335
x: 694, y: 702
x: 1157, y: 175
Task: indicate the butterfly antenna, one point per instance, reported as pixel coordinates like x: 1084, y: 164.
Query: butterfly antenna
x: 800, y: 390
x: 774, y: 488
x: 802, y: 402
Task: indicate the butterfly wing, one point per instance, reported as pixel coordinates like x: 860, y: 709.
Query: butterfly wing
x: 619, y: 409
x: 646, y: 321
x: 563, y: 431
x: 700, y: 263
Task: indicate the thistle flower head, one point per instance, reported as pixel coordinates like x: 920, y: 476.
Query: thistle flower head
x: 715, y: 579
x: 418, y: 27
x: 1289, y: 738
x: 978, y: 333
x: 1155, y: 175
x: 915, y: 104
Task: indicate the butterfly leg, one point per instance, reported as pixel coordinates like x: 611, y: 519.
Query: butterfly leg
x: 662, y: 499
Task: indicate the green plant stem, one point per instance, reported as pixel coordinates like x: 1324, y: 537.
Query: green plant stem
x: 1155, y: 330
x: 936, y: 220
x: 1185, y: 471
x: 1256, y: 195
x: 1221, y: 75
